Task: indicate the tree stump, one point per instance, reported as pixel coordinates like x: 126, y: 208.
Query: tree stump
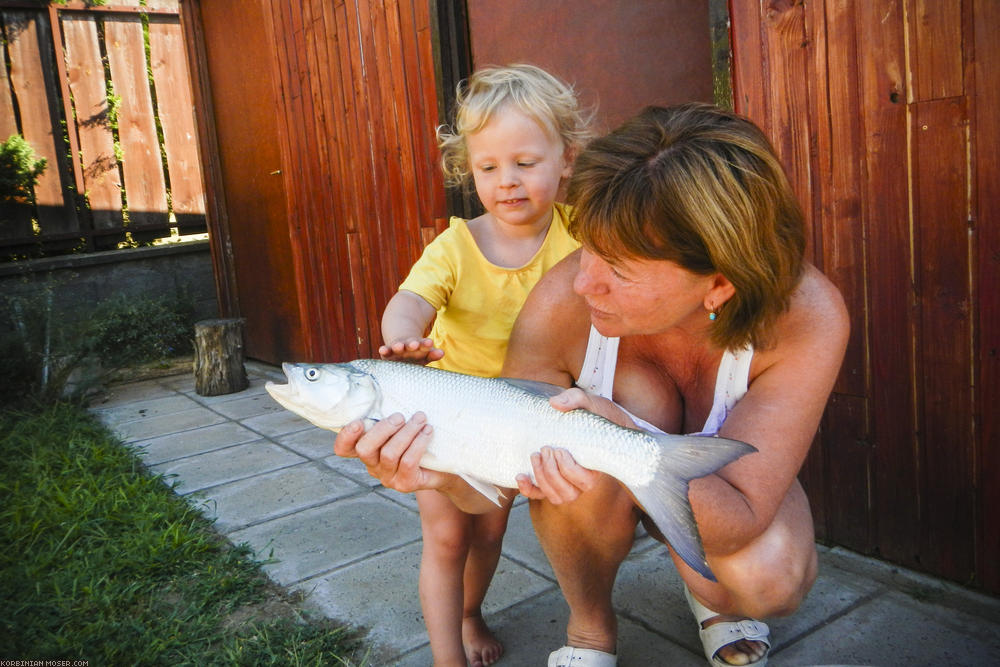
x: 218, y: 357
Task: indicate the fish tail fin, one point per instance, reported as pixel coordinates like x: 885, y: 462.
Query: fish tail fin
x: 665, y: 499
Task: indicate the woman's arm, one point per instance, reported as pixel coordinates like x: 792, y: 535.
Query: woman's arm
x: 780, y: 414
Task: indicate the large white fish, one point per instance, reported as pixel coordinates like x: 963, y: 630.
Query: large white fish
x: 485, y: 430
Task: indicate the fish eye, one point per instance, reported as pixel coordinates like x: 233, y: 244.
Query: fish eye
x: 312, y: 374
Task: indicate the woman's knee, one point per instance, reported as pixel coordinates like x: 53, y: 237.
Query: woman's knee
x: 768, y: 584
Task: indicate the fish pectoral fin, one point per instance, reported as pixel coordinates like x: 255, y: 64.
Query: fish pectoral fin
x: 491, y: 491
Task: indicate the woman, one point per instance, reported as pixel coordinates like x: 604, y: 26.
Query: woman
x: 691, y: 308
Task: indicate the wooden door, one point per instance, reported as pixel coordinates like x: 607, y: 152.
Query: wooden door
x: 232, y: 61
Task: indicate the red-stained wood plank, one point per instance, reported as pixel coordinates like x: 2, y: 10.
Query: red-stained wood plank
x: 175, y: 108
x: 284, y: 25
x: 352, y: 164
x: 406, y: 212
x: 33, y: 86
x: 250, y: 163
x: 935, y: 29
x: 848, y: 472
x: 750, y: 67
x: 986, y: 131
x: 326, y: 222
x: 787, y: 52
x: 941, y: 207
x: 364, y: 251
x: 842, y: 174
x: 338, y: 180
x: 101, y: 176
x: 142, y: 167
x: 846, y: 447
x: 378, y: 234
x: 429, y: 148
x: 897, y: 491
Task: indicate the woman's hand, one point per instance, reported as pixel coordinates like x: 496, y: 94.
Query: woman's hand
x: 558, y: 477
x: 391, y: 450
x: 574, y: 398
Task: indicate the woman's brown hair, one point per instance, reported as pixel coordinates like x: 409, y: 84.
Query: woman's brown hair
x: 701, y: 187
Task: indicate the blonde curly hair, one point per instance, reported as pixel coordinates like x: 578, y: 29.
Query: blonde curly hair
x: 551, y: 102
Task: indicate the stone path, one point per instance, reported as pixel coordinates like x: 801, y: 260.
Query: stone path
x: 270, y: 479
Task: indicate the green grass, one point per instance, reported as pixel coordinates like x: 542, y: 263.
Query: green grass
x: 101, y: 561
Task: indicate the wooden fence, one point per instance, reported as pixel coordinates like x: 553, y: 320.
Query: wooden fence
x: 103, y: 94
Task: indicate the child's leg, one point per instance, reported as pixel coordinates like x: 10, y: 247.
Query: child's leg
x: 481, y: 646
x: 446, y: 532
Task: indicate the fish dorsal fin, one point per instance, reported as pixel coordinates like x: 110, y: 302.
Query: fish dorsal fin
x: 543, y: 389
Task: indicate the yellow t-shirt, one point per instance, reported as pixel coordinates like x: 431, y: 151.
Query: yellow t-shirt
x: 477, y: 301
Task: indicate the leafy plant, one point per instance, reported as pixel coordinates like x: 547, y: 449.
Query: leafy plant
x: 125, y: 331
x: 19, y: 168
x: 47, y: 359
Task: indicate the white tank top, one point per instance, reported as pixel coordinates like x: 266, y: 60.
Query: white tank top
x: 598, y: 377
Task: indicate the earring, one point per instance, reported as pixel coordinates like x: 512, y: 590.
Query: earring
x: 712, y: 315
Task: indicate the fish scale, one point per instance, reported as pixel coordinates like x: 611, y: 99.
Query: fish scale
x: 476, y: 430
x: 486, y: 429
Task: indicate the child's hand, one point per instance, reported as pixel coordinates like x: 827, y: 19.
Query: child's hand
x: 413, y: 350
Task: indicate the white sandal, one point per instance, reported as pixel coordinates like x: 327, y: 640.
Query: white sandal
x: 724, y: 633
x: 570, y: 656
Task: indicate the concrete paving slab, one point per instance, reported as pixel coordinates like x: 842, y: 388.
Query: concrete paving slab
x: 274, y: 424
x: 184, y: 383
x: 352, y: 468
x: 314, y: 443
x: 893, y: 629
x: 378, y: 594
x: 249, y: 405
x: 146, y: 409
x: 196, y: 441
x: 384, y: 591
x: 637, y: 646
x: 255, y: 388
x: 153, y: 427
x: 129, y: 392
x: 407, y: 500
x: 321, y: 539
x: 226, y: 465
x: 264, y: 497
x: 527, y: 630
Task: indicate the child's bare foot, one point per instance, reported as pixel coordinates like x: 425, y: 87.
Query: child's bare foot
x: 481, y: 647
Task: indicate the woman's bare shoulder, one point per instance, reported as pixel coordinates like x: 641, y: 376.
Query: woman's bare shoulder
x: 552, y: 328
x: 816, y: 324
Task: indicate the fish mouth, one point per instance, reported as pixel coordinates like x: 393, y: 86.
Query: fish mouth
x: 282, y: 392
